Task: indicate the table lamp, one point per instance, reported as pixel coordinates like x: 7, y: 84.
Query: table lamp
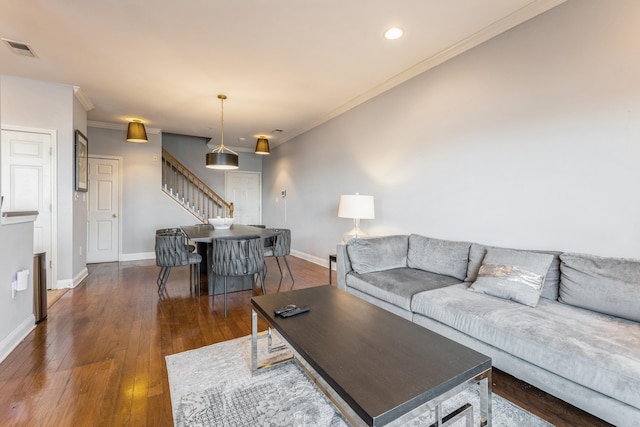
x: 357, y: 207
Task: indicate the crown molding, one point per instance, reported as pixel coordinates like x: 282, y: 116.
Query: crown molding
x: 83, y: 98
x: 119, y: 126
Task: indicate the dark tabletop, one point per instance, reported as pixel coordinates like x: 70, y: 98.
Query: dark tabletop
x: 381, y: 364
x: 206, y: 232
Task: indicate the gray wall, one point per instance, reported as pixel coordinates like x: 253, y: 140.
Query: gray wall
x: 531, y: 140
x: 145, y: 207
x: 43, y: 105
x: 16, y: 314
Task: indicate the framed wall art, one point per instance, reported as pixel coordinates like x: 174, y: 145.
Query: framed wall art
x: 82, y: 162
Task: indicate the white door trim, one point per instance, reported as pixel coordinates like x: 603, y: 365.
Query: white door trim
x: 120, y: 160
x: 53, y: 261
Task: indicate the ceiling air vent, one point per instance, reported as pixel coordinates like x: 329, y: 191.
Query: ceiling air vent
x: 20, y: 48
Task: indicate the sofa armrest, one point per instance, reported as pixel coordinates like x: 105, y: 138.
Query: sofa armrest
x: 343, y: 266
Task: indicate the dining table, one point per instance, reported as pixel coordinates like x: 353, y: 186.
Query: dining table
x: 204, y: 235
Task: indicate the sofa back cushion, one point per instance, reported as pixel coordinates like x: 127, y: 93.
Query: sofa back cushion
x: 444, y: 257
x: 378, y: 253
x: 551, y: 281
x: 514, y: 275
x: 606, y: 285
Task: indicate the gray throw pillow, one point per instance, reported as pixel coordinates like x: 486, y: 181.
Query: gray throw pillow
x: 438, y: 256
x: 551, y: 280
x: 606, y: 285
x: 378, y: 253
x: 513, y: 275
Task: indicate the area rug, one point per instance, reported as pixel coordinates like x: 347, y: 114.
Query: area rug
x: 213, y: 386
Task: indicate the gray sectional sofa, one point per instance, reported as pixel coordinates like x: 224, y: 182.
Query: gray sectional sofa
x: 568, y: 324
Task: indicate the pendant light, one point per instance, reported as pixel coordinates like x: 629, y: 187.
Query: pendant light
x: 262, y: 146
x: 222, y: 158
x: 136, y: 132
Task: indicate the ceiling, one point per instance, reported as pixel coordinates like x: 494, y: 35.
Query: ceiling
x: 283, y: 64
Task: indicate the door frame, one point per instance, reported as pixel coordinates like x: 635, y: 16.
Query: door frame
x: 120, y: 160
x: 53, y: 134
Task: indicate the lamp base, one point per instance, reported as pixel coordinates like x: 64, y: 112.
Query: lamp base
x: 355, y: 233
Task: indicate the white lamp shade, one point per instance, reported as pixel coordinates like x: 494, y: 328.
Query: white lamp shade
x: 356, y: 206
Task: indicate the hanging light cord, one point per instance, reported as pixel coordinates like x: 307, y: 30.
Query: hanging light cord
x: 221, y: 148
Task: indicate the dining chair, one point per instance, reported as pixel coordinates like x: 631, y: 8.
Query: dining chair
x: 235, y: 258
x: 173, y: 251
x: 281, y: 247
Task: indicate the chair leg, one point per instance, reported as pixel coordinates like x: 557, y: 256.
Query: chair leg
x: 196, y: 268
x: 213, y: 292
x: 163, y: 277
x: 289, y: 268
x: 264, y: 292
x: 279, y: 268
x: 225, y: 297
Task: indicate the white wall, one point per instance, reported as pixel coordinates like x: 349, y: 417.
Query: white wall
x: 531, y: 140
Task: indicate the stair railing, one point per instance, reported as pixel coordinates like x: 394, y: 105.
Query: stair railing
x: 191, y: 192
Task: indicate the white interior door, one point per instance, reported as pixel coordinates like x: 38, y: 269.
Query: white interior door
x: 103, y: 216
x: 27, y: 184
x: 244, y: 190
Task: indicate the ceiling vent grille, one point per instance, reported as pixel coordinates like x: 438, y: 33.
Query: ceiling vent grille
x: 19, y: 48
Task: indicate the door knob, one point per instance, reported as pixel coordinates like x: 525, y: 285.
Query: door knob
x: 114, y: 215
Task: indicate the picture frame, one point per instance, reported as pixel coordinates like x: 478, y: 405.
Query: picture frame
x: 82, y: 162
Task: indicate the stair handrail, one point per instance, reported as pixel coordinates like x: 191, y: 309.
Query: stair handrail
x: 196, y: 193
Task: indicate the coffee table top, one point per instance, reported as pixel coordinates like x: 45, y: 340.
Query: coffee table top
x: 382, y: 365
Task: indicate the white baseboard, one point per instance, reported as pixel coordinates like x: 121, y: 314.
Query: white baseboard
x: 8, y: 344
x: 137, y: 256
x: 72, y: 283
x: 324, y: 262
x: 80, y: 276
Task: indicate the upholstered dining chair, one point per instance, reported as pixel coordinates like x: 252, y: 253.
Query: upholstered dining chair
x: 173, y: 251
x: 238, y: 257
x: 281, y: 247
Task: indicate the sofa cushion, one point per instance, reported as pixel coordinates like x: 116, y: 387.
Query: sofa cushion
x: 514, y: 275
x: 597, y: 351
x: 378, y: 253
x: 606, y: 285
x: 438, y: 256
x: 397, y: 286
x: 551, y: 281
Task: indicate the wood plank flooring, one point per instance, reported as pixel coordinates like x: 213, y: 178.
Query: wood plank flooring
x: 98, y: 360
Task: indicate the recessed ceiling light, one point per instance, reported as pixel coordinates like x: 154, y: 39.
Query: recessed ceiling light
x: 393, y: 33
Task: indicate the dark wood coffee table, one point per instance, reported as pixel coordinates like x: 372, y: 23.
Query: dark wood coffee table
x: 381, y: 366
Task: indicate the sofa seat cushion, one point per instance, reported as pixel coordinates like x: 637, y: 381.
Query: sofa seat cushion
x: 397, y: 286
x: 597, y: 351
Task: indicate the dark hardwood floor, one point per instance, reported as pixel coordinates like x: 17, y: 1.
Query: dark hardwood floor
x: 98, y: 360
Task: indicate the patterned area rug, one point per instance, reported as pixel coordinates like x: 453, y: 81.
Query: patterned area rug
x: 213, y: 386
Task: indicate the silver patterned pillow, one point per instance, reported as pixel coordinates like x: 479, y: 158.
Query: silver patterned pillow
x: 512, y: 275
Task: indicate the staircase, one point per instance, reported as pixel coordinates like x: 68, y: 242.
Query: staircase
x: 190, y: 192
